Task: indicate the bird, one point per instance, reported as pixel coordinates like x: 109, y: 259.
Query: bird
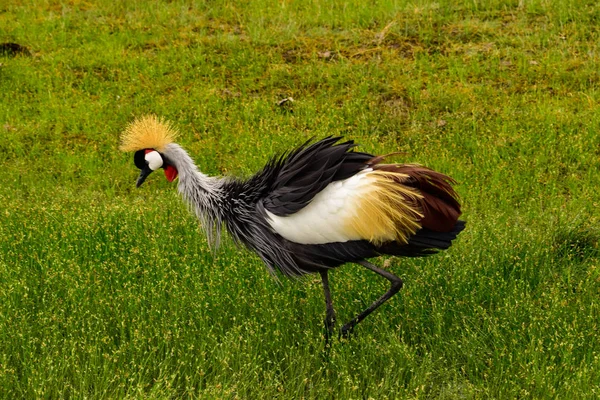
x: 311, y: 209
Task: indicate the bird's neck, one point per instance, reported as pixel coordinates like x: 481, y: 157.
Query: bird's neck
x: 202, y: 192
x: 191, y: 179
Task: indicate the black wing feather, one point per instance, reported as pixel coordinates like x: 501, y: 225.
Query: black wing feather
x: 425, y: 242
x: 309, y: 169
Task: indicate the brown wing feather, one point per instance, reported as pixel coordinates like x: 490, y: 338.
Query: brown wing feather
x: 439, y: 201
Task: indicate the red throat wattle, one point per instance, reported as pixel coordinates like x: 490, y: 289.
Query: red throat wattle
x: 170, y: 173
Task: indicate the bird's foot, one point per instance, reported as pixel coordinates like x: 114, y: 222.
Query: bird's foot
x: 346, y: 330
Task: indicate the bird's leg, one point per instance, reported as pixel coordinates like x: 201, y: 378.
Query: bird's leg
x: 330, y: 314
x: 396, y: 286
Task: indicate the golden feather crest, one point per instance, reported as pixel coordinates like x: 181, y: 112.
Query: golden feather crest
x: 147, y: 132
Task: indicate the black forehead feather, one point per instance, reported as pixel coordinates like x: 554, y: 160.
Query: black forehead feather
x: 139, y: 158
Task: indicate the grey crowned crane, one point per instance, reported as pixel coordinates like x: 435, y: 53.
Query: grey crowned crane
x: 312, y: 209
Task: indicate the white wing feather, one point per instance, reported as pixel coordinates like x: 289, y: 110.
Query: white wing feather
x: 324, y: 218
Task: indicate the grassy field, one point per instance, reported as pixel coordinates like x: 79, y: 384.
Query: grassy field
x: 107, y: 291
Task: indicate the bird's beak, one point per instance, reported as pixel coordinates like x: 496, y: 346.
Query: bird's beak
x: 144, y: 172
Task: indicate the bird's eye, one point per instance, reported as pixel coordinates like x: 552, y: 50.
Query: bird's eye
x: 154, y: 160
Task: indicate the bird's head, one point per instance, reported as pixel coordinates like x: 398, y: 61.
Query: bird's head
x: 148, y: 137
x: 149, y: 160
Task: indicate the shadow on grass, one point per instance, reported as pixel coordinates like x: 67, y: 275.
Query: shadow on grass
x: 576, y: 243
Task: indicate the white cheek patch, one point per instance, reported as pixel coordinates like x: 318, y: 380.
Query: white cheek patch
x: 154, y: 160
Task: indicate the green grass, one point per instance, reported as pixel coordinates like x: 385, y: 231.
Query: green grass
x: 107, y: 291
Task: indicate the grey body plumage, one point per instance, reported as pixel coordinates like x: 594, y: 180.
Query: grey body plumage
x: 230, y: 202
x: 238, y: 204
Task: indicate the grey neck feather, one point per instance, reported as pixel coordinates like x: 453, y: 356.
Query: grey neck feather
x: 203, y: 193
